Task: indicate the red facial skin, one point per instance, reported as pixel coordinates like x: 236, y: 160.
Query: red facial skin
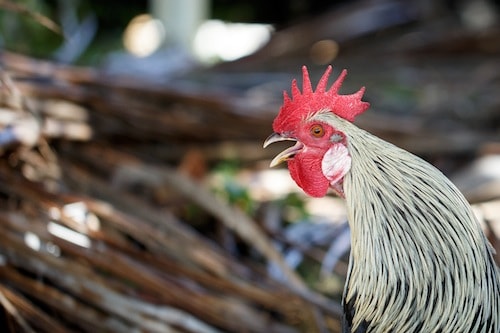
x: 306, y: 167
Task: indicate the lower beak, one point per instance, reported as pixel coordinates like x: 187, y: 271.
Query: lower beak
x: 286, y: 154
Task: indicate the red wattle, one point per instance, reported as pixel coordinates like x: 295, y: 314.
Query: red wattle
x: 306, y: 172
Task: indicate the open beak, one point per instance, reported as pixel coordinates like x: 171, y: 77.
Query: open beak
x: 286, y: 154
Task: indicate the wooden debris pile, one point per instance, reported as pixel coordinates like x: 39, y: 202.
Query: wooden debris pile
x: 96, y: 267
x: 91, y: 236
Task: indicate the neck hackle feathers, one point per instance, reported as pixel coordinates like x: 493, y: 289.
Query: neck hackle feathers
x: 302, y: 104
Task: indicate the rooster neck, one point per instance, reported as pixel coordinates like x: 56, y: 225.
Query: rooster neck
x: 418, y: 255
x: 392, y: 192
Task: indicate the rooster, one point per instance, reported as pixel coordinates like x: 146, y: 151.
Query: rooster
x: 419, y: 260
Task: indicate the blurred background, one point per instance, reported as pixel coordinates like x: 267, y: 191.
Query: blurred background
x: 134, y: 190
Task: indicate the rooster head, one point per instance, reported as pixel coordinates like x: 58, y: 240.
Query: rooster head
x: 320, y: 158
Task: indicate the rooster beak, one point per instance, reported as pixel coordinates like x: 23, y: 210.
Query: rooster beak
x: 286, y: 154
x: 276, y: 137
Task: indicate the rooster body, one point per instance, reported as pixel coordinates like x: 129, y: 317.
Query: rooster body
x: 419, y: 260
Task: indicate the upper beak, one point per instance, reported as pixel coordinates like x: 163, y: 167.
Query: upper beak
x: 285, y: 154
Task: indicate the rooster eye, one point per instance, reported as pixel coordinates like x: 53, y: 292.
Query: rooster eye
x: 317, y: 131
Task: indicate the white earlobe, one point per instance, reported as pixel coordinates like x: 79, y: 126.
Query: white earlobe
x: 336, y: 163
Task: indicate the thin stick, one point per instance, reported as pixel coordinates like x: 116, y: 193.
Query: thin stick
x: 11, y: 309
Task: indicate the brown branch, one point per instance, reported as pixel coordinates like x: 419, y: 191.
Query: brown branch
x: 17, y: 304
x: 23, y: 10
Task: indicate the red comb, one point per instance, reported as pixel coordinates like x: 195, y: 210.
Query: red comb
x: 309, y: 101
